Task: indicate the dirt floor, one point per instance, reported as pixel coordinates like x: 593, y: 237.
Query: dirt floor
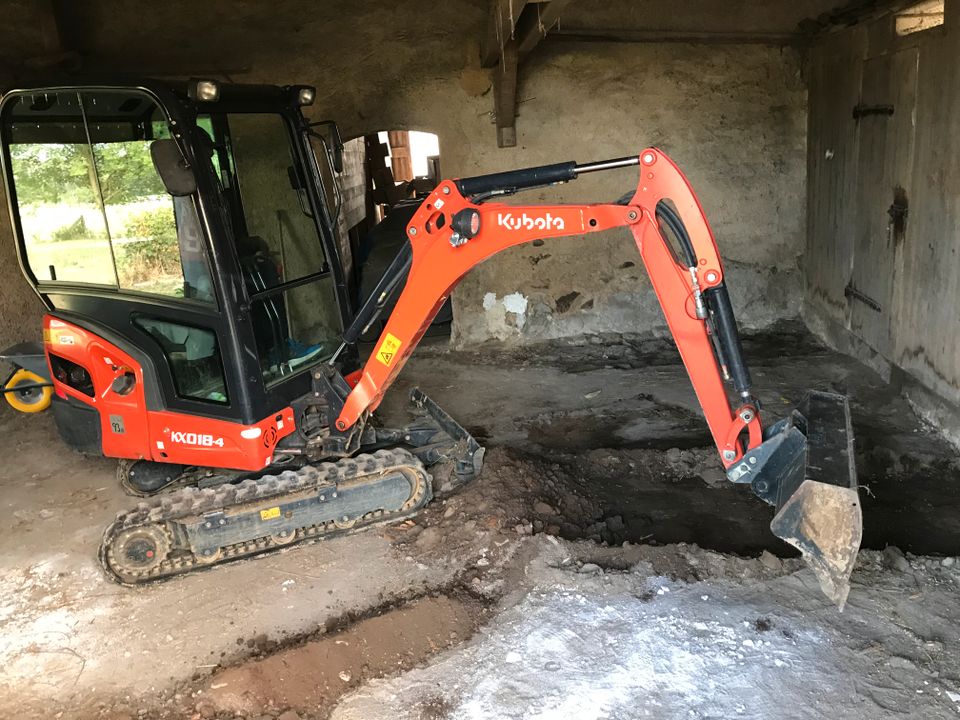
x: 600, y: 567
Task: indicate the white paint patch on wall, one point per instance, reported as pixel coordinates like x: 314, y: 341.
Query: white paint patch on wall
x: 505, y: 317
x: 516, y: 303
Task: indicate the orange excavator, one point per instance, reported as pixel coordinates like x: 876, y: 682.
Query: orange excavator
x: 200, y: 324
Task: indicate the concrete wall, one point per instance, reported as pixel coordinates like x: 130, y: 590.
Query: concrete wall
x: 855, y: 170
x: 733, y: 116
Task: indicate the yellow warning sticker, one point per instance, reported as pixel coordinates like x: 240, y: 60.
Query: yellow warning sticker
x: 388, y: 349
x: 270, y: 514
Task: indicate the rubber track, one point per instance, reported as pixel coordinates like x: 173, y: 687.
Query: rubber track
x: 192, y: 501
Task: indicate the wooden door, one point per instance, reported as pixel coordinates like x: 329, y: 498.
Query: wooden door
x: 885, y: 119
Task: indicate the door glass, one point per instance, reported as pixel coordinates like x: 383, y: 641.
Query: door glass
x: 277, y: 243
x: 193, y: 357
x: 55, y: 181
x: 91, y: 205
x: 157, y: 242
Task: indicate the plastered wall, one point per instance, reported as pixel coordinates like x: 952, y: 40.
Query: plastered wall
x: 733, y: 117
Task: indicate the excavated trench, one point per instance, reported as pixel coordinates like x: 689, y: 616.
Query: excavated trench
x: 653, y: 476
x: 636, y: 453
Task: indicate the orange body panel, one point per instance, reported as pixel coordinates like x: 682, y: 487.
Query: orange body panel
x: 129, y: 430
x: 438, y: 265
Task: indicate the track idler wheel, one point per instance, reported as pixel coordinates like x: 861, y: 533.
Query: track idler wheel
x: 139, y: 549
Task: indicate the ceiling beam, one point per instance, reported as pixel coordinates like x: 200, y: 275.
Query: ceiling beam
x: 536, y: 23
x: 679, y: 36
x: 505, y: 96
x: 852, y: 13
x: 514, y: 28
x: 55, y: 40
x: 500, y: 24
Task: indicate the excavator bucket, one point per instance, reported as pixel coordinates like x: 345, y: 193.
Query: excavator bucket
x: 805, y: 469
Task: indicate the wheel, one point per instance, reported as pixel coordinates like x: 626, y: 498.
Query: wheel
x: 28, y: 400
x: 282, y: 539
x: 139, y: 550
x: 345, y: 523
x: 209, y: 558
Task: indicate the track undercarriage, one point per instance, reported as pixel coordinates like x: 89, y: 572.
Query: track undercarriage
x: 221, y: 516
x: 193, y: 528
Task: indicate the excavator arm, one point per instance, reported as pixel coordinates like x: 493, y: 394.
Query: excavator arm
x: 450, y: 235
x: 803, y: 465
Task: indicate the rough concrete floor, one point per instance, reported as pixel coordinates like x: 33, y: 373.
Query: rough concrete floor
x: 74, y: 643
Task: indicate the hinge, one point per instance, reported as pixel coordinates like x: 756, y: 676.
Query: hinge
x: 862, y: 110
x: 898, y: 211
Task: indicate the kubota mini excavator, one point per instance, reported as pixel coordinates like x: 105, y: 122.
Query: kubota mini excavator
x: 183, y: 239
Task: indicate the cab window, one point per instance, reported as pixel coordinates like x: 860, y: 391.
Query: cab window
x: 92, y: 208
x: 295, y: 316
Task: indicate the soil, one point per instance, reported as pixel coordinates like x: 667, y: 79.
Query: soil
x: 600, y: 489
x: 314, y: 674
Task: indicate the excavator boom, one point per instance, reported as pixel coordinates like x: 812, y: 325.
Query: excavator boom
x: 802, y: 466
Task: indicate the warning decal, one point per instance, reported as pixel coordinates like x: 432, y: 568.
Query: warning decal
x: 388, y: 349
x: 270, y: 514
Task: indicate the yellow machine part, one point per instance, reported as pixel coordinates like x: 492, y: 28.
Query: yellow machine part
x: 31, y: 400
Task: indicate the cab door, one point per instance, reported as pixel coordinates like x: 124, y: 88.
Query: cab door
x: 111, y: 252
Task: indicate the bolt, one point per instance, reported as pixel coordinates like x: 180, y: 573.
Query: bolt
x: 746, y: 416
x: 412, y: 231
x: 223, y: 521
x: 762, y: 486
x: 341, y: 425
x: 753, y: 461
x: 333, y: 494
x: 648, y: 158
x: 446, y: 190
x: 729, y: 455
x: 345, y: 518
x: 632, y: 215
x: 323, y: 497
x: 207, y: 525
x: 711, y: 277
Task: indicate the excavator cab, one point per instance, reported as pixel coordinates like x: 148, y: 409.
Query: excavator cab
x: 226, y: 288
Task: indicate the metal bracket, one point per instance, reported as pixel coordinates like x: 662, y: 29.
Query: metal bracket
x: 851, y: 293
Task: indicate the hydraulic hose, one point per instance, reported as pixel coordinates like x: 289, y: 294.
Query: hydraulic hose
x: 718, y: 302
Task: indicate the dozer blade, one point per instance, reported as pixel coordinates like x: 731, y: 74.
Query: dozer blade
x: 805, y: 468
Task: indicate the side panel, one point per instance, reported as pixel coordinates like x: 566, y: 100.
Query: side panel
x: 123, y: 417
x: 129, y: 430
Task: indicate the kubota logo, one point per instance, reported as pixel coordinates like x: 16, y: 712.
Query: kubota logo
x: 525, y: 222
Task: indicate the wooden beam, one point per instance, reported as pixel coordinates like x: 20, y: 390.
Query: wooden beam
x: 851, y: 13
x: 678, y: 36
x: 500, y: 23
x: 505, y: 96
x: 54, y: 33
x: 536, y: 23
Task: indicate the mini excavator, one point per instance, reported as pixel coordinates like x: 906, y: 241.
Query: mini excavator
x: 199, y: 327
